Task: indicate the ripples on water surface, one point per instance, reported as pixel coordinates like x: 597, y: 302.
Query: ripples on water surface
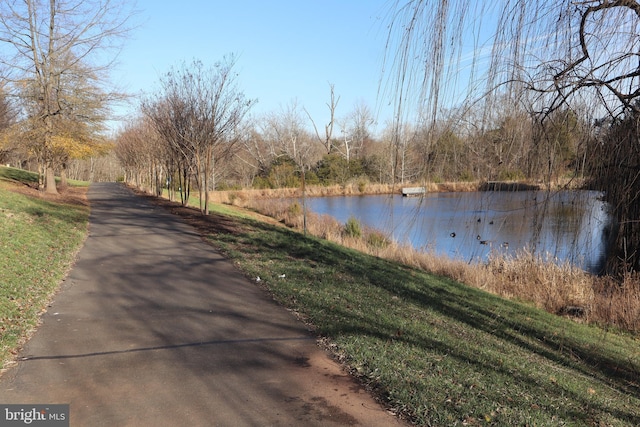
x: 567, y: 225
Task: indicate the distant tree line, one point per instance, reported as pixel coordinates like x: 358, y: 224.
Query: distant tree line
x: 280, y: 149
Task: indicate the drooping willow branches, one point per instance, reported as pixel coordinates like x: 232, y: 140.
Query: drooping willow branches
x: 448, y: 52
x: 543, y: 58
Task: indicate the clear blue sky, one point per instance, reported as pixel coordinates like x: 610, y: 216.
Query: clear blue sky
x: 286, y: 49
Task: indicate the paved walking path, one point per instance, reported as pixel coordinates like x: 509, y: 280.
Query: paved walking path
x: 154, y: 328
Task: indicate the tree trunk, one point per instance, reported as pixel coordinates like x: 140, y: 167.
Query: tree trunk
x: 92, y: 167
x: 63, y: 176
x: 41, y: 175
x: 50, y: 181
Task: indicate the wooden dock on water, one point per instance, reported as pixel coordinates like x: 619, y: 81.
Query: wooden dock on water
x: 413, y: 191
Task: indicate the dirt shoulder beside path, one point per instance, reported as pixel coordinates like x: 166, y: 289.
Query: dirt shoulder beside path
x: 153, y: 327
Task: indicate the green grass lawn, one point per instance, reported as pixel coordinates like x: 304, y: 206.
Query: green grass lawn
x: 439, y: 352
x: 38, y: 242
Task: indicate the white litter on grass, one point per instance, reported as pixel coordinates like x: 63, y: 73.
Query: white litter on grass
x: 282, y: 276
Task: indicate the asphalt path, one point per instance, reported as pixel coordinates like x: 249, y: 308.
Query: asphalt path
x: 153, y: 327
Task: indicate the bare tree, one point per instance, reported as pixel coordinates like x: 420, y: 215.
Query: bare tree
x: 561, y: 52
x: 168, y: 114
x: 355, y: 130
x: 199, y: 110
x: 252, y: 157
x: 294, y: 141
x: 258, y: 151
x: 288, y: 135
x: 327, y: 139
x: 54, y: 45
x: 361, y: 121
x: 132, y: 152
x: 399, y: 142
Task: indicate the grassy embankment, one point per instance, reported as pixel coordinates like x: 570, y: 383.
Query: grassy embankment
x: 39, y: 238
x: 559, y: 289
x: 439, y: 352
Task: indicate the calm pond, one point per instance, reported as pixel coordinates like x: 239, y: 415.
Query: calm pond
x: 564, y: 225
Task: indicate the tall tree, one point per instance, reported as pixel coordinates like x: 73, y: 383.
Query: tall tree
x: 355, y: 131
x: 288, y: 136
x: 143, y: 156
x: 327, y: 139
x: 56, y: 49
x: 294, y: 143
x: 168, y: 115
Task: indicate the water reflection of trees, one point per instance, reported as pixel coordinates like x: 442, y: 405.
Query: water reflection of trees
x: 615, y: 167
x: 575, y: 223
x: 559, y: 226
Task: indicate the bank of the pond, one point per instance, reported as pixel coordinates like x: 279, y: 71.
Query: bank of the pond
x: 437, y: 351
x: 559, y: 288
x: 241, y: 196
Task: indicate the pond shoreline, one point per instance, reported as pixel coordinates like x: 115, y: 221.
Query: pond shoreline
x: 368, y: 189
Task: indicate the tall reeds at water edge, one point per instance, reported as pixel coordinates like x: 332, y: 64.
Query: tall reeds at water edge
x: 560, y: 289
x: 242, y: 197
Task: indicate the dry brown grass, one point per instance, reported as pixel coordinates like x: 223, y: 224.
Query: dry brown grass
x: 246, y: 197
x: 617, y: 303
x: 559, y: 289
x: 555, y: 288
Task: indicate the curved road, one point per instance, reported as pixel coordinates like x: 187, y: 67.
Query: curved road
x: 152, y: 327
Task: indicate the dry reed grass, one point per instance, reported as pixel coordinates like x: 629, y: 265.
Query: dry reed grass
x: 617, y: 303
x: 245, y: 197
x: 559, y: 289
x: 550, y: 286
